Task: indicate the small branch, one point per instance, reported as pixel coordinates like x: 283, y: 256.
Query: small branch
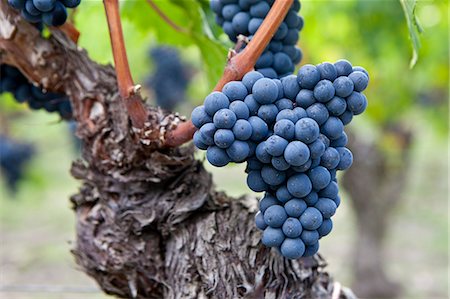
x: 165, y: 17
x: 69, y: 29
x: 136, y: 109
x: 239, y: 64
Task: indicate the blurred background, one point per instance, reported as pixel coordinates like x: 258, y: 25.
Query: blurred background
x: 390, y: 238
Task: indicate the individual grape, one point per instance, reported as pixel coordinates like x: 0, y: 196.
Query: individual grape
x: 254, y: 24
x: 285, y: 129
x: 259, y: 220
x: 55, y: 17
x: 326, y: 206
x: 255, y: 181
x: 242, y: 129
x: 199, y: 142
x: 265, y: 91
x: 217, y: 156
x: 275, y: 46
x: 271, y: 176
x: 22, y: 93
x: 292, y: 248
x: 253, y: 164
x: 343, y: 86
x: 70, y: 3
x: 235, y: 90
x: 333, y: 128
x: 229, y: 11
x: 324, y: 91
x: 360, y: 80
x: 300, y: 112
x: 330, y: 158
x: 275, y: 216
x: 320, y: 177
x: 268, y: 72
x: 330, y: 191
x: 43, y: 5
x: 309, y: 237
x: 318, y: 112
x: 238, y: 151
x: 31, y: 9
x: 290, y: 51
x: 325, y: 228
x: 224, y: 119
x: 312, y: 198
x: 292, y: 19
x: 305, y: 98
x: 283, y: 104
x: 361, y: 69
x: 343, y: 67
x: 337, y: 200
x: 216, y: 101
x: 259, y: 128
x: 250, y: 78
x: 292, y: 228
x: 311, y: 250
x: 240, y: 22
x: 304, y: 167
x: 282, y: 63
x: 240, y: 109
x: 307, y: 130
x: 290, y: 86
x: 315, y: 162
x: 279, y: 163
x: 356, y: 103
x: 291, y: 37
x: 281, y: 32
x: 308, y: 76
x: 207, y: 133
x: 346, y: 117
x: 252, y: 104
x: 287, y: 114
x: 228, y: 29
x: 345, y: 158
x: 295, y: 207
x: 267, y: 201
x: 30, y: 18
x: 296, y: 153
x: 275, y: 145
x: 223, y: 138
x: 268, y: 113
x: 259, y: 10
x: 316, y: 149
x: 272, y: 237
x: 17, y: 4
x: 336, y: 106
x: 299, y: 185
x: 311, y: 219
x: 327, y: 71
x: 199, y: 116
x: 261, y: 153
x: 265, y: 60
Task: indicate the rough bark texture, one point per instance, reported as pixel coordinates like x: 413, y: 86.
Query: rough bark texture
x: 375, y: 186
x: 149, y: 223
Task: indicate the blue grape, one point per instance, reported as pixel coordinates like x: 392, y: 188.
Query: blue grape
x: 307, y: 130
x: 242, y: 129
x: 265, y: 91
x: 272, y: 237
x: 296, y: 153
x: 309, y: 237
x: 238, y: 151
x: 271, y: 176
x: 235, y: 90
x: 216, y: 6
x: 250, y: 78
x: 333, y: 128
x: 224, y: 119
x: 279, y: 163
x: 291, y: 37
x: 228, y: 29
x: 305, y: 98
x: 268, y: 113
x: 275, y: 145
x: 299, y: 185
x: 292, y: 248
x: 340, y: 141
x: 292, y: 228
x: 283, y: 194
x: 300, y: 112
x: 304, y: 167
x: 200, y: 117
x: 282, y: 63
x: 356, y: 103
x: 287, y: 114
x: 346, y: 158
x: 255, y: 181
x: 240, y: 109
x: 360, y: 80
x: 325, y: 140
x: 330, y: 191
x: 311, y: 250
x: 311, y: 199
x: 326, y: 206
x: 198, y: 141
x: 284, y: 128
x: 279, y: 87
x: 315, y: 162
x: 30, y: 18
x: 298, y: 56
x: 252, y: 104
x: 343, y: 67
x: 290, y: 51
x: 343, y: 86
x: 207, y: 133
x: 259, y: 220
x: 327, y: 71
x: 295, y: 207
x: 336, y: 106
x: 17, y: 4
x: 268, y: 72
x: 240, y: 22
x: 283, y: 104
x: 254, y: 24
x: 262, y: 154
x: 320, y: 177
x: 31, y: 9
x: 311, y: 219
x: 275, y: 46
x: 44, y: 5
x: 346, y: 117
x: 324, y: 91
x: 267, y: 201
x: 316, y: 149
x: 325, y: 228
x: 223, y: 138
x: 259, y: 10
x: 229, y: 11
x: 55, y: 17
x: 308, y: 76
x: 337, y: 200
x: 330, y: 158
x: 361, y: 69
x: 265, y: 60
x: 215, y: 101
x: 275, y: 216
x: 281, y: 32
x: 253, y: 164
x: 318, y: 112
x: 292, y: 19
x: 290, y: 86
x: 217, y: 156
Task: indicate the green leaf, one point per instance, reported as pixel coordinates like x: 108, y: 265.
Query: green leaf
x: 409, y: 8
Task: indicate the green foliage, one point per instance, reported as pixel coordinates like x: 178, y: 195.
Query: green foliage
x: 414, y: 27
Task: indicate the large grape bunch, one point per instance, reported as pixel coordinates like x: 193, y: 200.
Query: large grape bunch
x: 13, y: 81
x: 170, y: 78
x: 13, y: 158
x: 51, y: 12
x: 243, y: 17
x: 291, y: 134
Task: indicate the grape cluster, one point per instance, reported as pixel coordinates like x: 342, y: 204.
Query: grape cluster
x: 12, y: 80
x: 244, y: 17
x: 51, y: 12
x: 291, y: 133
x: 170, y: 78
x: 13, y: 158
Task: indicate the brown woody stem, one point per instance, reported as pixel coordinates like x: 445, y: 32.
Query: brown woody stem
x: 239, y: 64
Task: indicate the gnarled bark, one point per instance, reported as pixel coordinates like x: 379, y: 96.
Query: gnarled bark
x: 149, y: 223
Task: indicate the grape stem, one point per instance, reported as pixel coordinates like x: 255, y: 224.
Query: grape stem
x: 165, y: 17
x: 127, y: 89
x: 238, y: 65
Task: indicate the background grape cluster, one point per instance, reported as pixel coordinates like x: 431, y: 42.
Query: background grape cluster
x: 13, y: 81
x: 51, y: 12
x: 291, y: 134
x: 244, y: 17
x: 170, y: 77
